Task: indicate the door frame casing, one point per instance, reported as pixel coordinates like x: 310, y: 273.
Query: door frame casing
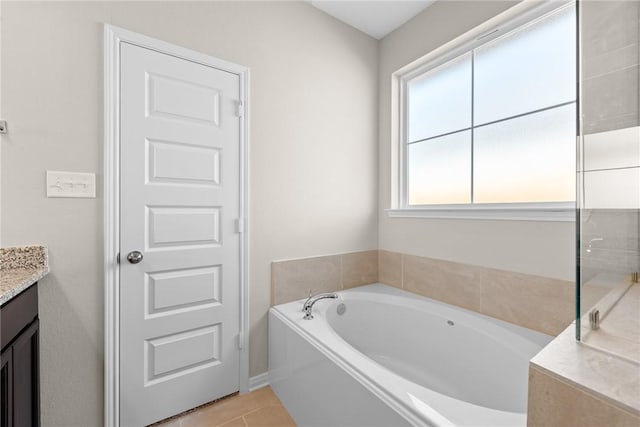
x: 113, y: 37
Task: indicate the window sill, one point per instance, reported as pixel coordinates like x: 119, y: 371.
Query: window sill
x: 556, y: 213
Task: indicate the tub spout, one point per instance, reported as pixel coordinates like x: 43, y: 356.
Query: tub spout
x: 308, y: 304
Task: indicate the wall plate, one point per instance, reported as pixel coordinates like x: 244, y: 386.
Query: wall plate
x: 71, y: 184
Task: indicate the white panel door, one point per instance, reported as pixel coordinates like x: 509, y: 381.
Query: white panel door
x: 180, y: 186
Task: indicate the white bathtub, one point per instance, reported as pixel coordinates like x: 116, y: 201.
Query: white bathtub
x: 394, y: 358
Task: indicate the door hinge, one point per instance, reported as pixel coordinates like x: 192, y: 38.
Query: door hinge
x: 118, y: 258
x: 240, y: 225
x: 240, y: 109
x: 240, y: 340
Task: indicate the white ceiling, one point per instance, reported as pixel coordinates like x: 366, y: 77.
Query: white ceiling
x: 376, y: 18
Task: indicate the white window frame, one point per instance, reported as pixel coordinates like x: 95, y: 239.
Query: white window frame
x: 515, y: 17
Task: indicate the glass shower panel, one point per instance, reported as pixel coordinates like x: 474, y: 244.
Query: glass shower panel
x: 527, y: 70
x: 608, y: 258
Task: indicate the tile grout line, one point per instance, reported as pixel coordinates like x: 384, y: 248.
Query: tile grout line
x: 401, y: 270
x: 246, y: 423
x: 233, y: 419
x: 341, y: 272
x: 377, y: 265
x: 271, y: 405
x: 262, y: 403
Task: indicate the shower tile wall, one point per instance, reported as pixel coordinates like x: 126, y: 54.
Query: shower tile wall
x: 610, y: 248
x: 577, y: 385
x: 617, y: 254
x: 610, y: 58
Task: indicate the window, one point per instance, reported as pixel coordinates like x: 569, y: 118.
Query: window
x: 495, y: 125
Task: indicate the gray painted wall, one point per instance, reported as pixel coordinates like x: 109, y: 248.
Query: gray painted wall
x: 313, y: 155
x: 530, y: 247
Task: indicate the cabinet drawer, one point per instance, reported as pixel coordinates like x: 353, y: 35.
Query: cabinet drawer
x: 18, y: 314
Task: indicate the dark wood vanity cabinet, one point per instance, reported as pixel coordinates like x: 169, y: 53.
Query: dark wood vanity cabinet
x: 19, y: 361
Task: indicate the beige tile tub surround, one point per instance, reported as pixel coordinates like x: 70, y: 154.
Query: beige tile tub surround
x: 445, y: 281
x: 573, y: 384
x: 291, y: 280
x: 553, y: 402
x: 390, y: 268
x: 539, y: 303
x: 536, y: 302
x: 359, y: 268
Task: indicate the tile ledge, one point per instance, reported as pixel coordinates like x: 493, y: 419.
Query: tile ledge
x: 575, y: 363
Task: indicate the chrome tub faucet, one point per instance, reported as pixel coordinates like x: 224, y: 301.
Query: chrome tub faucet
x: 308, y: 304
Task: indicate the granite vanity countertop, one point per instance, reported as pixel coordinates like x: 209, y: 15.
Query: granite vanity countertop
x: 21, y: 267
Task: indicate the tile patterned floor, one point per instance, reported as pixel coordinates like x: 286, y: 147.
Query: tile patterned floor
x: 256, y: 409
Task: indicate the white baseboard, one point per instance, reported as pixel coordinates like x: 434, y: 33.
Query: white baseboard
x: 259, y: 381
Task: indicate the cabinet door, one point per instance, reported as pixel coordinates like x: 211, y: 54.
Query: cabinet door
x: 26, y: 393
x: 6, y: 388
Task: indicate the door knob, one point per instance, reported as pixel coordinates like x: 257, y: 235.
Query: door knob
x: 134, y: 257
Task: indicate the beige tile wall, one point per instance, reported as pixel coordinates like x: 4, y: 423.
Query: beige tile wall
x: 445, y: 281
x: 539, y: 303
x: 553, y: 402
x: 536, y: 302
x: 291, y: 280
x: 390, y: 268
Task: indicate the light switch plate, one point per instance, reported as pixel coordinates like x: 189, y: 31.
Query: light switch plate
x: 71, y: 184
